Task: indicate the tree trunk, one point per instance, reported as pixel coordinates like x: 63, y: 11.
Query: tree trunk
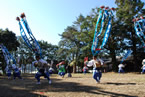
x: 76, y: 60
x: 134, y: 50
x: 113, y: 56
x: 74, y: 68
x: 3, y: 69
x: 74, y: 65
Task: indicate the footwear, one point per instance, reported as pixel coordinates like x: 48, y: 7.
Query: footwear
x: 98, y: 82
x: 141, y: 72
x: 38, y: 83
x: 49, y: 81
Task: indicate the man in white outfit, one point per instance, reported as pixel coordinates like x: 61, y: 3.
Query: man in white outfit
x: 143, y: 66
x: 97, y: 74
x: 42, y: 67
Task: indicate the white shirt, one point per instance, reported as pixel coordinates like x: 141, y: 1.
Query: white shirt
x: 7, y: 69
x: 93, y: 63
x: 120, y: 66
x: 40, y: 63
x: 85, y: 67
x: 143, y: 62
x: 51, y: 69
x: 14, y: 66
x: 143, y: 67
x: 102, y: 62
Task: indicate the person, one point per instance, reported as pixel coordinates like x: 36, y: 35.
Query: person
x: 69, y: 70
x: 120, y: 68
x: 143, y: 66
x: 61, y: 69
x: 42, y: 68
x: 97, y: 74
x: 85, y: 68
x: 8, y: 70
x: 16, y: 72
x: 51, y: 70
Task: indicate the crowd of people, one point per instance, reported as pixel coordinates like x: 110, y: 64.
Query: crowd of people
x: 44, y: 69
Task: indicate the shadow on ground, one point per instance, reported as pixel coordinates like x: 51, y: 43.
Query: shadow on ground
x: 28, y: 88
x: 110, y: 83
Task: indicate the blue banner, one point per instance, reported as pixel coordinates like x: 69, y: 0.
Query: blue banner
x: 7, y: 56
x: 95, y: 47
x: 126, y: 55
x: 29, y: 38
x: 95, y: 42
x: 139, y: 26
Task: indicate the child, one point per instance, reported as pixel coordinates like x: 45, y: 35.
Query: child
x: 16, y: 72
x: 8, y: 70
x: 97, y: 74
x: 42, y: 68
x: 61, y: 69
x: 51, y: 70
x: 120, y: 68
x: 68, y: 68
x: 85, y: 68
x: 143, y: 66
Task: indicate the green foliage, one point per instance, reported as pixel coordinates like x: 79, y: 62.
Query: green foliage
x: 126, y: 11
x: 9, y: 39
x: 77, y: 39
x: 49, y: 51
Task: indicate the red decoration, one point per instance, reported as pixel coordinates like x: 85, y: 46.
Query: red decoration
x: 97, y: 49
x: 107, y: 7
x: 102, y: 7
x: 134, y: 20
x: 112, y: 8
x: 85, y: 59
x: 22, y: 15
x: 141, y: 17
x: 17, y: 18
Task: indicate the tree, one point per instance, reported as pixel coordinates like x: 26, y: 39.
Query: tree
x: 71, y: 36
x: 127, y: 10
x: 9, y: 40
x: 49, y: 51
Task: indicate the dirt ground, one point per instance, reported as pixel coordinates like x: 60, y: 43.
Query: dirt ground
x: 80, y: 85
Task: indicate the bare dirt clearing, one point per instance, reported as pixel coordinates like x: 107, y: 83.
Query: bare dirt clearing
x: 80, y: 85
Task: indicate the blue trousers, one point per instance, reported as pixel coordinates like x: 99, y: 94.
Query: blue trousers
x: 17, y: 74
x: 42, y: 73
x: 97, y: 74
x: 85, y: 71
x: 8, y: 74
x: 61, y: 73
x: 143, y: 70
x: 120, y: 71
x: 50, y: 71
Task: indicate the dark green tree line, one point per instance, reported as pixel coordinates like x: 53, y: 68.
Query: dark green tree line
x: 79, y: 36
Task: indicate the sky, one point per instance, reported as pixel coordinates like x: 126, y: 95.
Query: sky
x: 46, y: 18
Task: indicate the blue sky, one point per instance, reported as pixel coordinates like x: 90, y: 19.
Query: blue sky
x: 46, y: 18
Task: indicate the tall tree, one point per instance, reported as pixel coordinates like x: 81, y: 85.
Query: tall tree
x: 49, y: 51
x: 127, y: 10
x: 9, y: 40
x: 71, y: 34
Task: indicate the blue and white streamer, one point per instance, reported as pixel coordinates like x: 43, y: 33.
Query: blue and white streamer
x: 108, y: 30
x: 95, y: 48
x: 95, y: 42
x: 7, y: 56
x: 139, y: 26
x: 28, y: 37
x: 126, y: 55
